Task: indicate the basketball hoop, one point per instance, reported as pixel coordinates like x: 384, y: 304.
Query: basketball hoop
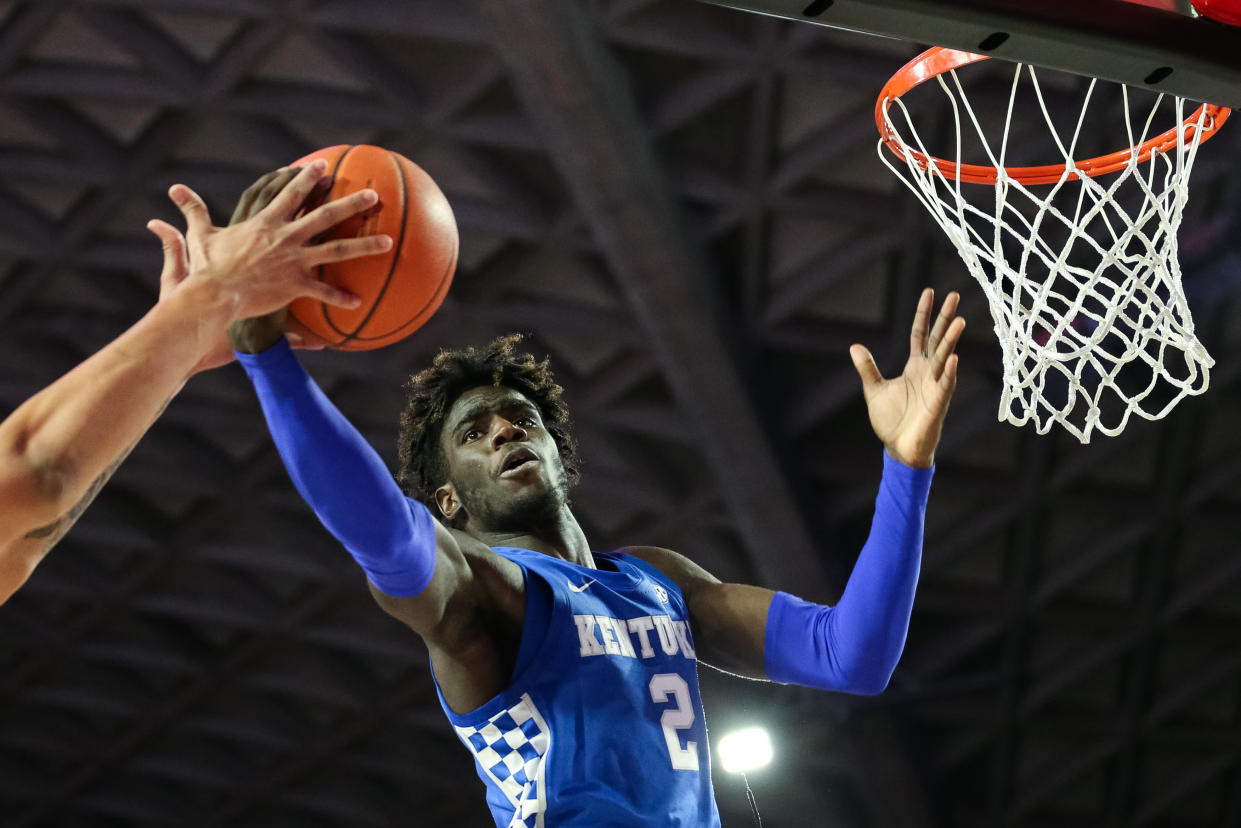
x: 1081, y: 275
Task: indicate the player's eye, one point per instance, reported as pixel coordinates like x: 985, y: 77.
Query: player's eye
x: 472, y: 434
x: 527, y: 422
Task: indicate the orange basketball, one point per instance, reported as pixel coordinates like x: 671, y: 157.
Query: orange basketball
x: 400, y: 289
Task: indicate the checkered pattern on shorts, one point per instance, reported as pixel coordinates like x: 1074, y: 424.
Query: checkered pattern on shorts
x: 511, y: 748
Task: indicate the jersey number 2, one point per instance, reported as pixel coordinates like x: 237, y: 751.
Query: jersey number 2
x: 680, y: 717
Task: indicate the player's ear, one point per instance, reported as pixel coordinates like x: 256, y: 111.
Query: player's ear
x: 446, y: 500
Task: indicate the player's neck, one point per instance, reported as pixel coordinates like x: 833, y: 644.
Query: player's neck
x: 561, y: 537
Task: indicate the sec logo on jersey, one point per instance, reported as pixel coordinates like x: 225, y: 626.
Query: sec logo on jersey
x: 661, y: 594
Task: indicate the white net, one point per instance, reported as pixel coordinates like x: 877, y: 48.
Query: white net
x: 1081, y: 274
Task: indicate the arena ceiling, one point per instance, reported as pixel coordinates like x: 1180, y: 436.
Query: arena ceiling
x: 683, y: 207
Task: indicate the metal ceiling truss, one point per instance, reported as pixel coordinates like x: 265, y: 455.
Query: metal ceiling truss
x: 682, y: 205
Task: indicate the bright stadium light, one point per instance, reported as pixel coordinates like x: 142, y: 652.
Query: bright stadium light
x: 745, y: 750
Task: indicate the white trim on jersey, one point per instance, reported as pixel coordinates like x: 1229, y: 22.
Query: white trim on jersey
x: 512, y: 749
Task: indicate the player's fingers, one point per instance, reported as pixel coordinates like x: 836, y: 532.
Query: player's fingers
x: 865, y: 365
x: 268, y: 192
x: 176, y: 263
x: 946, y: 314
x: 244, y: 208
x: 191, y: 205
x: 165, y: 232
x: 917, y: 335
x: 948, y: 380
x: 306, y: 341
x: 259, y: 194
x: 303, y: 338
x: 331, y: 295
x: 340, y: 250
x: 287, y: 202
x: 939, y: 358
x: 334, y: 212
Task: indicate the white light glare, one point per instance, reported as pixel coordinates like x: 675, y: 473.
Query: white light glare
x: 744, y: 750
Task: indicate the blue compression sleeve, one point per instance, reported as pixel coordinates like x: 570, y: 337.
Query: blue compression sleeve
x: 342, y: 478
x: 854, y: 646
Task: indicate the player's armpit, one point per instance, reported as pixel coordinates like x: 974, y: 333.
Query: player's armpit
x: 728, y: 621
x: 470, y: 617
x: 467, y: 574
x: 730, y: 624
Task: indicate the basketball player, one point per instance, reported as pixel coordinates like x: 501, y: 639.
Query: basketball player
x: 571, y: 674
x: 60, y: 446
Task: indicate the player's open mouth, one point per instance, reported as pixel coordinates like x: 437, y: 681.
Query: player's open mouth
x: 520, y: 461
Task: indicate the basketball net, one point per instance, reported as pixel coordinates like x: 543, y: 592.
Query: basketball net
x: 1081, y: 274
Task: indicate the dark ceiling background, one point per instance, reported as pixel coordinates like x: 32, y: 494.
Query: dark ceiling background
x: 683, y: 206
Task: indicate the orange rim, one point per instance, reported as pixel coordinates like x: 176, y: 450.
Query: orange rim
x: 938, y: 60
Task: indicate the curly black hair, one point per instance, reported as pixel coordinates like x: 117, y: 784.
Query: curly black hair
x: 432, y: 391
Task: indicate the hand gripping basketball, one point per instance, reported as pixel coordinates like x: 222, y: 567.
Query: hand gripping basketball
x: 265, y: 262
x: 403, y: 289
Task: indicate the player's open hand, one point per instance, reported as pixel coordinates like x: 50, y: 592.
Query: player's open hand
x: 175, y: 271
x: 907, y: 412
x: 263, y: 263
x: 267, y: 256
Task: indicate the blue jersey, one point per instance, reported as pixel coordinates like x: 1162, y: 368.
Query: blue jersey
x: 602, y: 722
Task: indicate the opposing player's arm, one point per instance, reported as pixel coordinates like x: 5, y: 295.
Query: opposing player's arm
x: 39, y: 472
x: 20, y: 555
x: 59, y: 447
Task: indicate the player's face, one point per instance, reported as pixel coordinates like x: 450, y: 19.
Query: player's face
x: 503, y: 465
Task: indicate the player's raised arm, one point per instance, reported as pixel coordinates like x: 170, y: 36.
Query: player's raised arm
x: 60, y: 446
x: 404, y: 552
x: 853, y: 646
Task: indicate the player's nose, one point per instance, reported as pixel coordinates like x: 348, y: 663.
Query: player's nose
x: 503, y: 431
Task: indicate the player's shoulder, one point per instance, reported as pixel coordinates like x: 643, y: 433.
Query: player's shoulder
x: 479, y: 557
x: 684, y: 573
x: 466, y: 542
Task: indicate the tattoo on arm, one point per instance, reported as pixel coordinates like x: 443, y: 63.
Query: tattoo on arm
x: 56, y: 530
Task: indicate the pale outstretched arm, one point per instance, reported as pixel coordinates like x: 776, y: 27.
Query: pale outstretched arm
x: 63, y: 444
x: 59, y: 447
